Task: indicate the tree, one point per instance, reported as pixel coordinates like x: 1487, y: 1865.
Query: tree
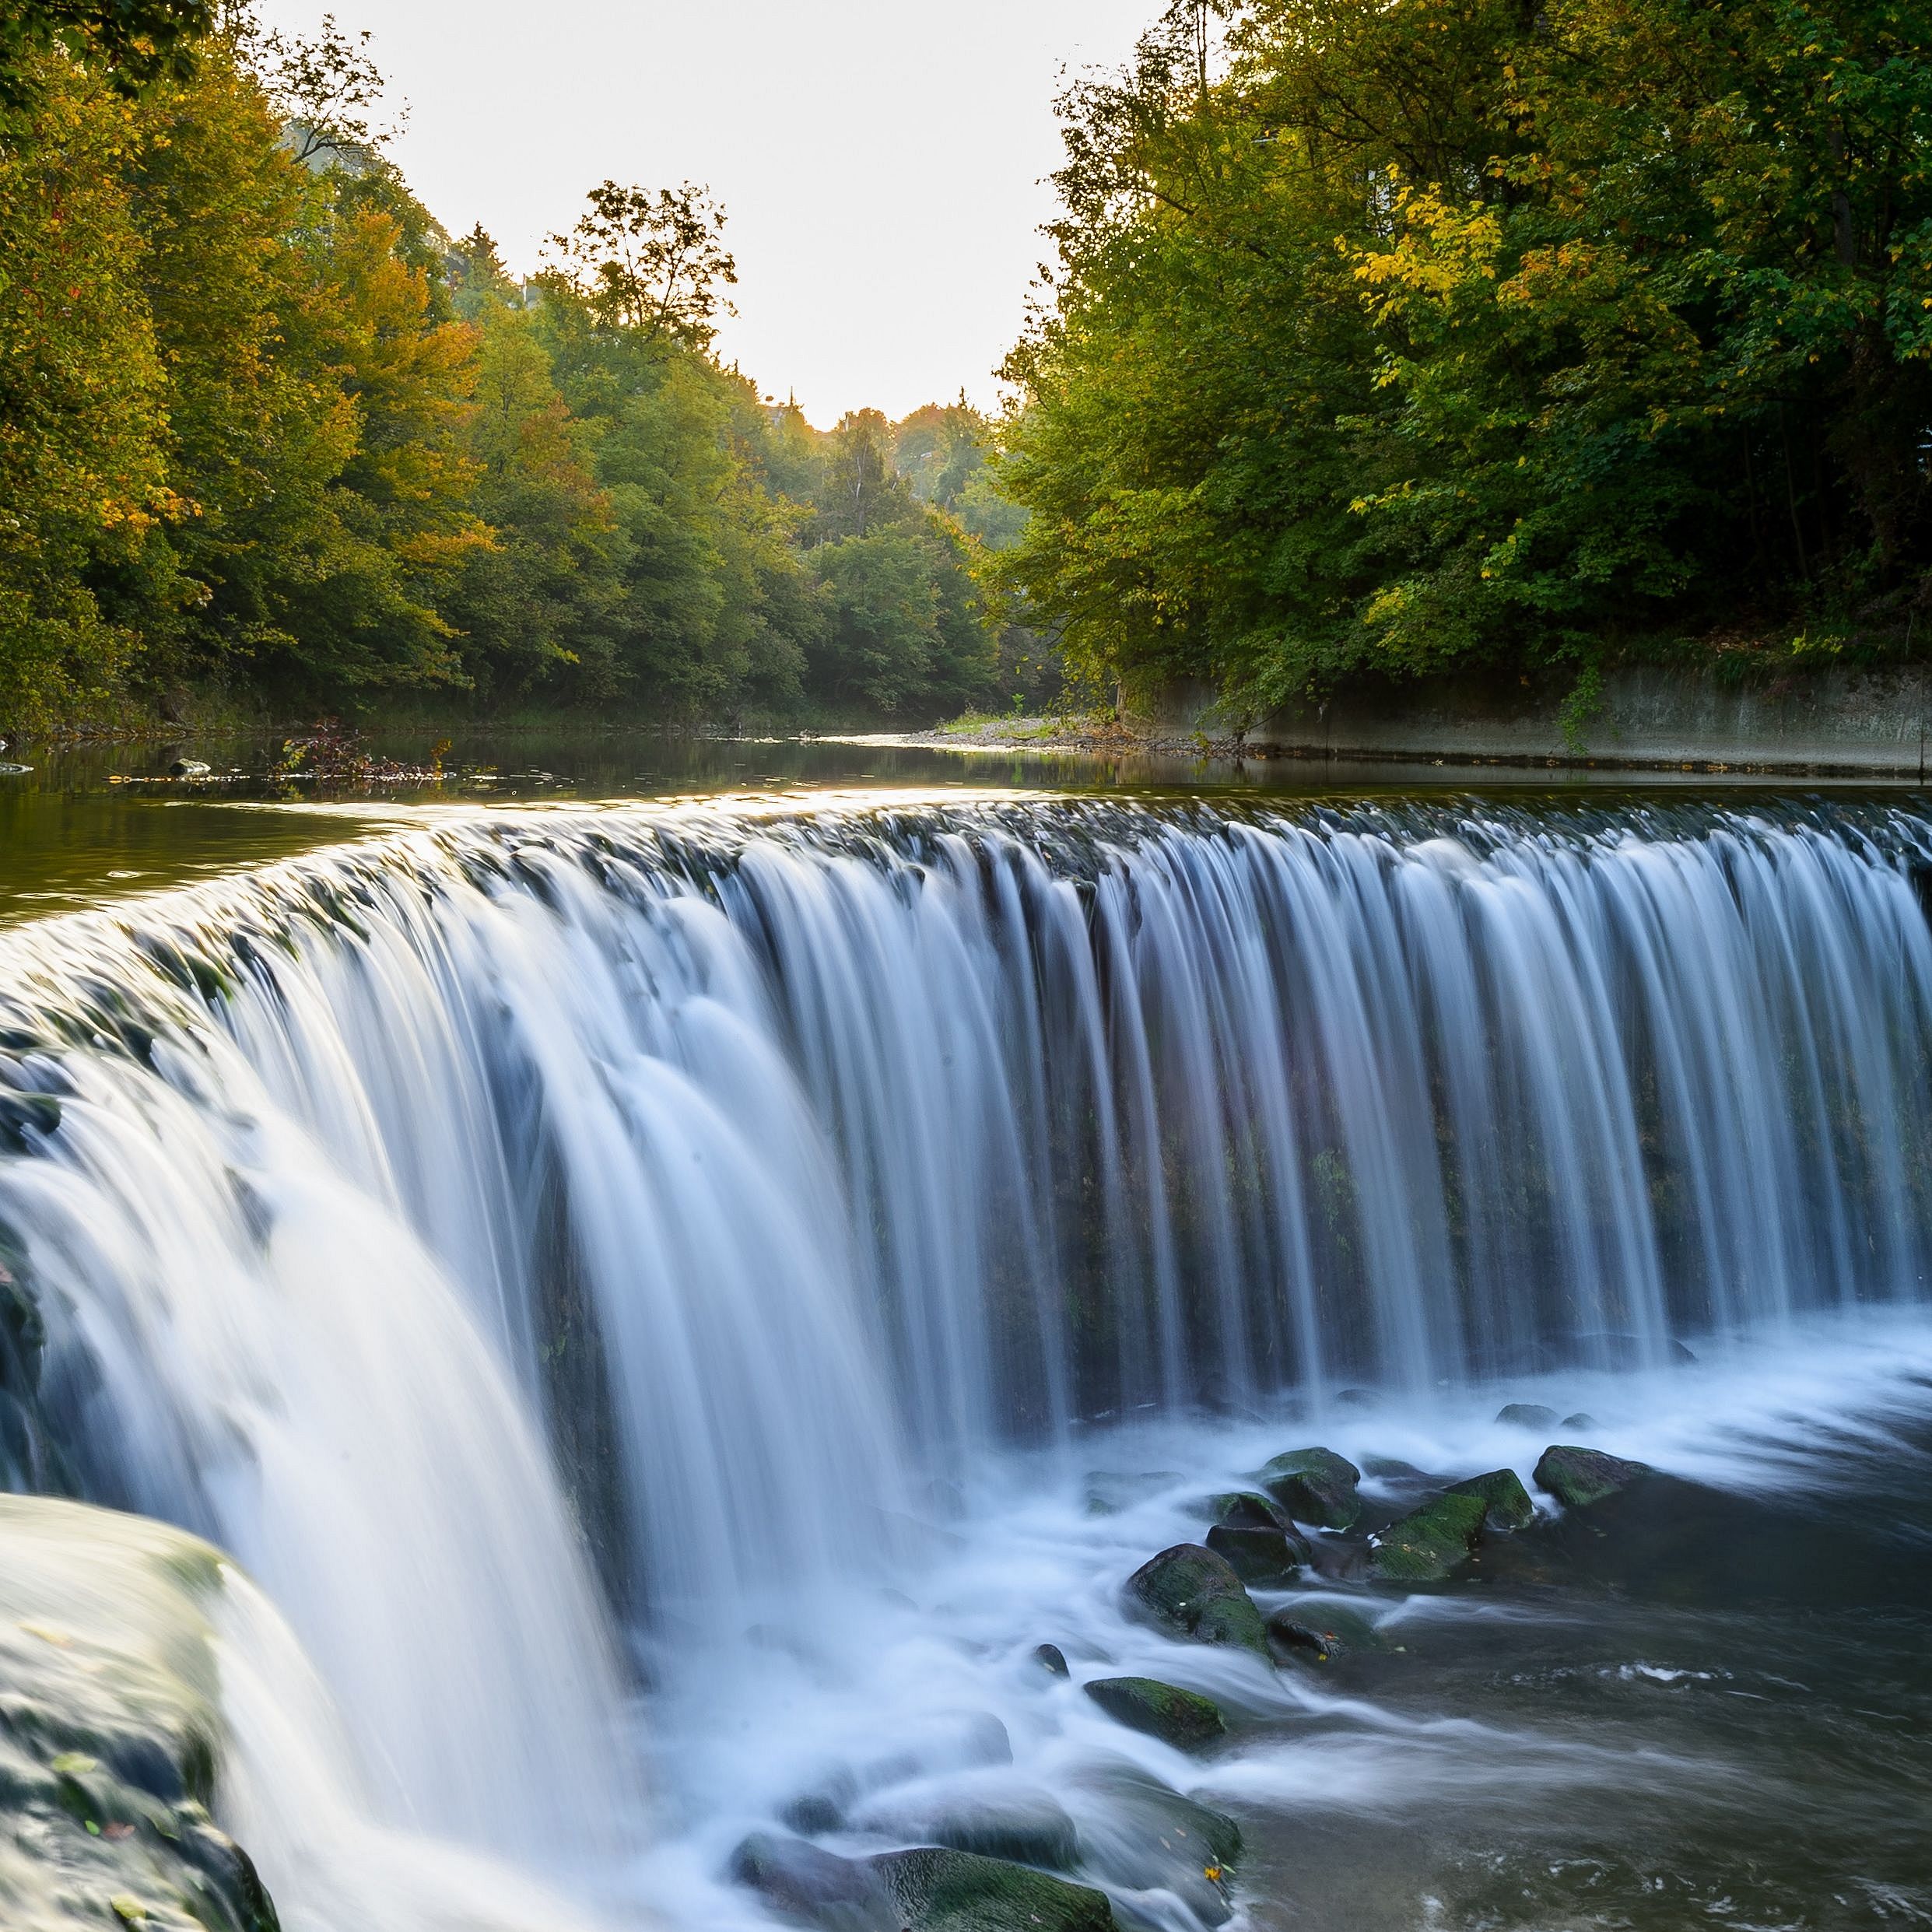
x: 327, y: 88
x: 1385, y: 339
x: 656, y: 263
x: 130, y: 42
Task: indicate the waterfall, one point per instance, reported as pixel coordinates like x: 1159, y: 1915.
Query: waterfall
x: 481, y: 1228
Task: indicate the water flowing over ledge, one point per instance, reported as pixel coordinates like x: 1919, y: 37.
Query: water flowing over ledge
x: 751, y: 1169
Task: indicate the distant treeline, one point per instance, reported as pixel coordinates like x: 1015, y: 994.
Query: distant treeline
x: 1393, y: 335
x: 270, y: 438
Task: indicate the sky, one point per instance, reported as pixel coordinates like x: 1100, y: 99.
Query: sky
x: 882, y: 161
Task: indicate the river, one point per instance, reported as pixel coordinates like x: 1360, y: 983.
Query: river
x: 675, y: 1267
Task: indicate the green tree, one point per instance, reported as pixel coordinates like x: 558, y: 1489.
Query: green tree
x: 654, y: 264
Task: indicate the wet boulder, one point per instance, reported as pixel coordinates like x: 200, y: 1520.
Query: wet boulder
x: 1315, y: 1631
x: 1315, y: 1486
x: 1142, y: 1836
x: 815, y: 1814
x: 1430, y: 1543
x: 1577, y: 1476
x: 998, y: 1819
x: 1051, y: 1659
x: 1267, y: 1558
x: 1580, y: 1420
x: 938, y: 1890
x: 1183, y: 1719
x: 1506, y: 1503
x: 803, y: 1881
x: 1192, y: 1592
x: 1109, y: 1492
x: 1246, y: 1510
x: 1530, y: 1415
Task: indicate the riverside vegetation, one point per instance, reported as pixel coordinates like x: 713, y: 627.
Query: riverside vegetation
x: 1379, y: 341
x: 1470, y: 334
x: 271, y: 440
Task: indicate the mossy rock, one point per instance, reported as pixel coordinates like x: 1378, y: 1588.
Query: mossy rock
x: 1315, y: 1485
x: 1266, y: 1558
x: 1191, y: 1592
x: 1317, y: 1630
x: 937, y: 1890
x: 1183, y: 1719
x: 1530, y: 1415
x: 1245, y: 1509
x: 1506, y: 1503
x: 1577, y: 1476
x: 1429, y: 1543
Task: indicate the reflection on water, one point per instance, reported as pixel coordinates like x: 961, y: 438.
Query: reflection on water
x: 97, y: 823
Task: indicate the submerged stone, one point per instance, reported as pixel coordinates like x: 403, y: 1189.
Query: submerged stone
x: 938, y: 1890
x: 815, y: 1814
x: 1108, y: 1493
x: 804, y: 1881
x: 1002, y: 1820
x: 1578, y: 1476
x: 1316, y: 1486
x: 1183, y: 1719
x: 1429, y: 1543
x: 1144, y: 1836
x: 1506, y: 1503
x: 1268, y: 1557
x: 1192, y: 1592
x: 1579, y: 1420
x: 1051, y: 1659
x: 1530, y: 1415
x: 1317, y: 1631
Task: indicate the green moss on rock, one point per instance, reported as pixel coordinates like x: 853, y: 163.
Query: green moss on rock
x: 1506, y: 1503
x: 1429, y: 1543
x: 941, y: 1891
x: 1191, y: 1592
x: 1577, y: 1477
x: 1315, y: 1486
x: 1183, y: 1719
x: 1246, y: 1510
x: 1266, y: 1558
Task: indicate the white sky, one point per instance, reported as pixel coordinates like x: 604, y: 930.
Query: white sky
x: 881, y: 161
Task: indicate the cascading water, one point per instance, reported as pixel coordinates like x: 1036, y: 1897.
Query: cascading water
x: 483, y: 1230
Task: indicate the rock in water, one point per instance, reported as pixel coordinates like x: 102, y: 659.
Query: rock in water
x: 1183, y: 1719
x: 1428, y: 1545
x: 998, y: 1819
x: 1531, y: 1415
x: 1578, y: 1477
x: 1051, y: 1659
x: 109, y: 1734
x: 1268, y: 1557
x: 1245, y: 1509
x: 802, y: 1881
x: 940, y: 1891
x: 1506, y: 1500
x: 1191, y: 1592
x: 1316, y: 1486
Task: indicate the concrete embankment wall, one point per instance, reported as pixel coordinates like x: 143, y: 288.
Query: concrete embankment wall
x: 1874, y: 723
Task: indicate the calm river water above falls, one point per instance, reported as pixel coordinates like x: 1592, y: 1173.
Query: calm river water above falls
x: 673, y: 1300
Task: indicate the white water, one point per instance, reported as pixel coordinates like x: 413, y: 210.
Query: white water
x: 773, y: 1168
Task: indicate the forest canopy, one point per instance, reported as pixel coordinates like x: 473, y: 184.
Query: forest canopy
x: 1384, y: 338
x: 270, y: 440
